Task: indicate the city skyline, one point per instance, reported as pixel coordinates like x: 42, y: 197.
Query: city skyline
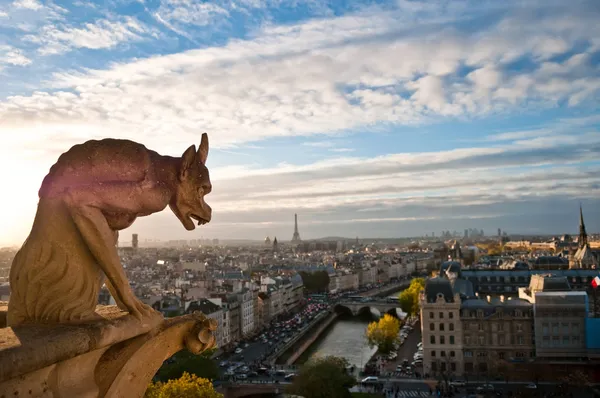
x: 380, y: 119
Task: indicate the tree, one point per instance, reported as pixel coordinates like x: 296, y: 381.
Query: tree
x: 324, y: 377
x: 383, y: 333
x: 187, y: 386
x: 409, y: 298
x: 315, y: 282
x: 199, y: 365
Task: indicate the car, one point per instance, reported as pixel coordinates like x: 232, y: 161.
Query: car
x: 531, y: 386
x: 399, y: 368
x: 223, y: 364
x: 485, y: 387
x: 370, y: 379
x: 290, y: 376
x: 458, y: 383
x: 238, y: 350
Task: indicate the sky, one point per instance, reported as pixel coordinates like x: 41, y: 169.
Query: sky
x: 367, y: 118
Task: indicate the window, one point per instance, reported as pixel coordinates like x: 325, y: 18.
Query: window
x: 575, y: 339
x: 565, y: 328
x: 432, y: 339
x: 451, y: 339
x: 441, y: 315
x: 443, y: 353
x: 481, y: 340
x: 519, y: 354
x: 451, y: 327
x: 434, y: 366
x: 450, y: 315
x: 565, y: 340
x: 468, y: 354
x: 519, y: 327
x: 520, y: 340
x: 480, y: 327
x: 442, y: 340
x: 482, y: 354
x: 479, y: 314
x: 452, y: 354
x: 501, y: 339
x: 468, y: 367
x: 545, y: 329
x: 431, y: 315
x: 443, y: 367
x: 555, y: 328
x: 483, y: 367
x: 500, y: 355
x: 574, y: 328
x: 467, y: 340
x: 433, y: 354
x: 501, y: 326
x: 432, y: 326
x: 453, y: 367
x: 441, y: 327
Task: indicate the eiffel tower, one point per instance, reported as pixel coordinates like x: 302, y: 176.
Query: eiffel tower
x: 296, y: 237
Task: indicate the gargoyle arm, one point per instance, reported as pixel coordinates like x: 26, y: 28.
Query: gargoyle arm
x: 86, y: 205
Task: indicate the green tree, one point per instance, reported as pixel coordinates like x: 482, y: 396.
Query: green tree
x: 315, y: 282
x: 187, y: 386
x: 199, y: 365
x: 383, y: 333
x: 325, y: 377
x: 409, y: 297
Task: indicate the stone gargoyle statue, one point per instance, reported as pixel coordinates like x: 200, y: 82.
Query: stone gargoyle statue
x: 94, y: 190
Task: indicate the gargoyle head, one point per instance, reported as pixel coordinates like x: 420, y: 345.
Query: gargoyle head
x: 194, y: 182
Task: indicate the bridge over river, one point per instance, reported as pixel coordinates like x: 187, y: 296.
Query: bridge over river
x: 356, y: 307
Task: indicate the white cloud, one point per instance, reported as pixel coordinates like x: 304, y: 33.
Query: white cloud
x: 190, y: 12
x: 100, y: 34
x: 12, y: 56
x: 29, y: 4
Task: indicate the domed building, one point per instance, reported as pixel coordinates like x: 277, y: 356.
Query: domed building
x: 267, y: 241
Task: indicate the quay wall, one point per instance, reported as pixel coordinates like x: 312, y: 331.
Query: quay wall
x: 311, y: 339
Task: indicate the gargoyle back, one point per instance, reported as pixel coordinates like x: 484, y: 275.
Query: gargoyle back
x: 97, y: 161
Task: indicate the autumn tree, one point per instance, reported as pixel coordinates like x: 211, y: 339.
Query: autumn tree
x: 187, y: 386
x: 184, y: 361
x: 409, y: 298
x: 324, y: 377
x: 383, y: 333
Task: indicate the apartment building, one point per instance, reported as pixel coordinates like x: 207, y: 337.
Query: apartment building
x: 441, y: 328
x: 246, y: 300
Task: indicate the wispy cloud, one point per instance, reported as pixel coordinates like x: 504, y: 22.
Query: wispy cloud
x: 100, y: 34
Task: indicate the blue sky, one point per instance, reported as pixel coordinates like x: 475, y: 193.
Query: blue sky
x: 377, y: 118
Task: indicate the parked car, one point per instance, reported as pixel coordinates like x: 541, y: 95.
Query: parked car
x: 531, y: 386
x: 458, y: 383
x: 370, y: 379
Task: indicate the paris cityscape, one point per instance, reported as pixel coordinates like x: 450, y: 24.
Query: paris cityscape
x: 300, y: 198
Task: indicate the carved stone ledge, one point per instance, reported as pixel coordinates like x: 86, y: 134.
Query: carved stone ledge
x: 114, y: 357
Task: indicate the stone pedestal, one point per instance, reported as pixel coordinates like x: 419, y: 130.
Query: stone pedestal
x: 116, y: 356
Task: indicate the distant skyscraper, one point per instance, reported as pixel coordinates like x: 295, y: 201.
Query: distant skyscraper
x: 296, y: 237
x: 499, y: 232
x: 134, y: 241
x: 275, y: 245
x: 466, y: 233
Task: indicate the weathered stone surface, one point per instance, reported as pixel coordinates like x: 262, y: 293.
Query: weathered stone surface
x: 94, y: 190
x: 114, y: 357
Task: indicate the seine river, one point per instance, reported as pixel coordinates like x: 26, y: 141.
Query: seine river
x: 345, y: 338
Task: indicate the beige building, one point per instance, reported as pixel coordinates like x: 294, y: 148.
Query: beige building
x: 441, y: 329
x: 496, y: 332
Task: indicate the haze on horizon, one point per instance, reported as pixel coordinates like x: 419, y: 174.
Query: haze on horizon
x: 375, y: 119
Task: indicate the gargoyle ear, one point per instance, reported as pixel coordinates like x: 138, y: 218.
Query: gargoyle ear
x: 187, y: 160
x: 203, y: 148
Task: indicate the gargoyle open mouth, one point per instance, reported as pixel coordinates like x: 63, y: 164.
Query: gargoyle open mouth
x: 201, y: 220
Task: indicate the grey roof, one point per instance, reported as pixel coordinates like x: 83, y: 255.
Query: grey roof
x: 436, y: 286
x: 477, y: 303
x: 527, y: 273
x: 453, y: 266
x: 203, y: 305
x: 462, y: 287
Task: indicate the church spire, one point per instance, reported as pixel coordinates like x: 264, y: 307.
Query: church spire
x: 583, y: 239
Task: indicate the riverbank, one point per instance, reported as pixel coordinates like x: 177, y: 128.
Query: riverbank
x: 306, y: 343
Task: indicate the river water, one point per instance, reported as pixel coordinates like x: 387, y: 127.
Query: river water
x: 346, y: 339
